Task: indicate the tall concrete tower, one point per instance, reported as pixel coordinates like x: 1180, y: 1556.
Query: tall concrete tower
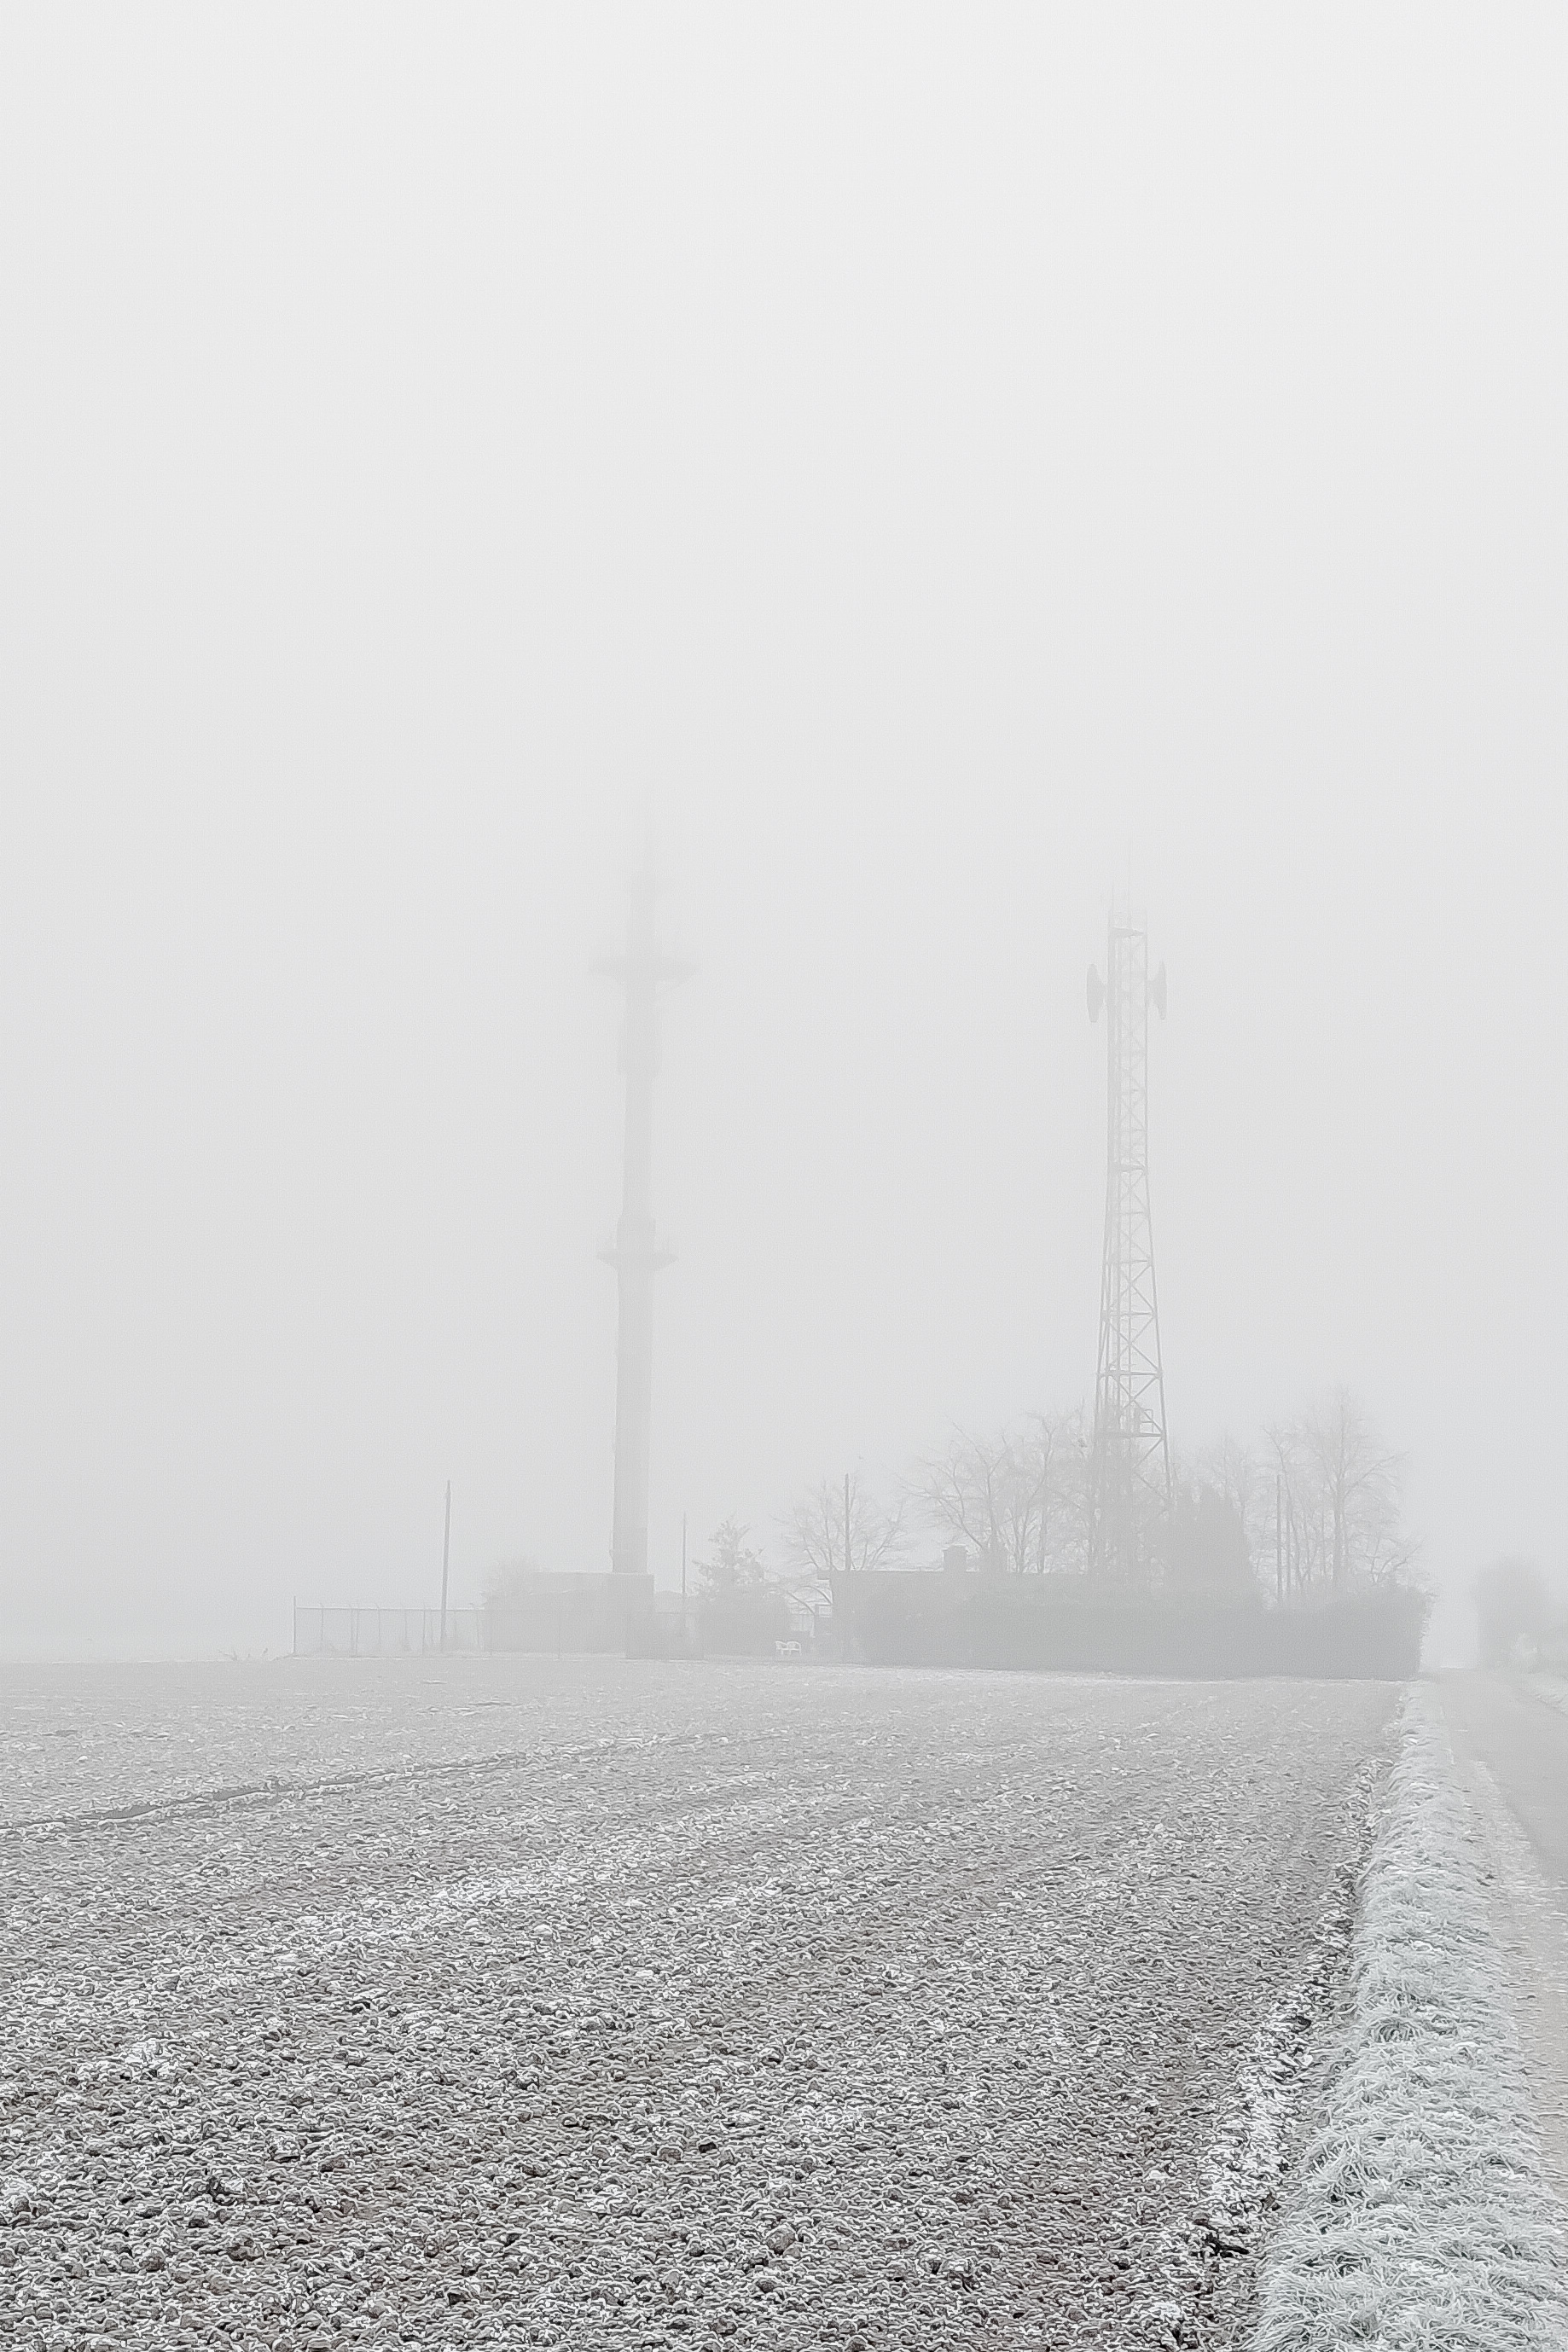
x: 1130, y: 1461
x: 636, y: 1255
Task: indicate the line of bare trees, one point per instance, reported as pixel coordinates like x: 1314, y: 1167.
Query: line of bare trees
x: 1313, y: 1509
x: 1336, y: 1497
x: 1017, y: 1500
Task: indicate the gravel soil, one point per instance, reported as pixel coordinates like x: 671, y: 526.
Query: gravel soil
x: 584, y: 2002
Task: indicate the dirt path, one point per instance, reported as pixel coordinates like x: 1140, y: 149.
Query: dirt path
x: 1511, y: 1744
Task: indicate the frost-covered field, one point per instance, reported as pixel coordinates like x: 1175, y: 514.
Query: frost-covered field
x: 599, y: 2003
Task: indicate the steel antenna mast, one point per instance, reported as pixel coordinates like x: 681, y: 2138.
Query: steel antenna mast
x: 636, y: 1255
x: 1131, y: 1458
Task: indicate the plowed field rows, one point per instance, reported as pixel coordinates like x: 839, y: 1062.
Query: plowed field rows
x: 581, y: 2003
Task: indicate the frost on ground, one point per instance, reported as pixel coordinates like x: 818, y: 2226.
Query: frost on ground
x: 1420, y: 2217
x: 597, y: 2003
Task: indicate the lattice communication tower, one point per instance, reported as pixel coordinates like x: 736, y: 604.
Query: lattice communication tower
x: 1130, y: 1459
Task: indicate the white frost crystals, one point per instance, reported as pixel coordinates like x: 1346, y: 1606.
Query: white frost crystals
x: 1421, y: 2215
x: 16, y: 2196
x: 1252, y: 2146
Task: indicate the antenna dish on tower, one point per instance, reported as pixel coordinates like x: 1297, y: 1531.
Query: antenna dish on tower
x: 1157, y: 992
x: 1096, y: 994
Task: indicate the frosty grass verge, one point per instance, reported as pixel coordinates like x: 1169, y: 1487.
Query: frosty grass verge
x: 1421, y: 2217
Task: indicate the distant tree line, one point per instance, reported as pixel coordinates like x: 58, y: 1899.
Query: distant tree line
x: 1312, y: 1511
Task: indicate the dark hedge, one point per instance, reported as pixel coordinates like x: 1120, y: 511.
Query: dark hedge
x: 888, y: 1619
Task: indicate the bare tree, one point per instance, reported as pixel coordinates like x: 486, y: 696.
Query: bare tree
x: 1340, y: 1501
x: 839, y: 1528
x: 1012, y: 1497
x: 1070, y: 1535
x: 1303, y: 1523
x: 1232, y: 1470
x: 990, y: 1494
x: 1360, y: 1482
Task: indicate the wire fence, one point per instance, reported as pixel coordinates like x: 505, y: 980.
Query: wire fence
x: 383, y: 1633
x: 565, y: 1613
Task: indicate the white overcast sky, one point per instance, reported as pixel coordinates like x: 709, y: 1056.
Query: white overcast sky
x: 946, y: 460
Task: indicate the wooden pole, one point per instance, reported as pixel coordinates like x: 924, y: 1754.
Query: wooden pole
x: 446, y: 1560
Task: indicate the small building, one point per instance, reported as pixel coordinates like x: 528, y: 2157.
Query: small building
x: 571, y: 1610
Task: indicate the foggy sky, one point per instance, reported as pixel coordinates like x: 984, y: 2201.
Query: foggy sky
x: 947, y: 460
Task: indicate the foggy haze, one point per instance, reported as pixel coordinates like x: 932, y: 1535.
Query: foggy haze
x: 947, y: 465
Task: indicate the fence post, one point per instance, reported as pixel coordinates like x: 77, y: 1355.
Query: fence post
x: 445, y: 1557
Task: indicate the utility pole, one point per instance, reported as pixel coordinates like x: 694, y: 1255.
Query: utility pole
x: 1278, y: 1536
x: 848, y: 1553
x: 446, y: 1560
x: 636, y: 1255
x: 683, y: 1567
x: 1131, y: 1457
